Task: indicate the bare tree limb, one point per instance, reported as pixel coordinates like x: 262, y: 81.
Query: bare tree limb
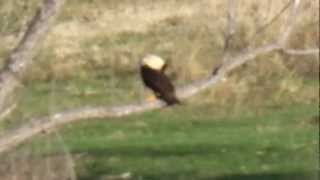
x: 279, y: 44
x: 290, y: 23
x: 229, y: 34
x: 273, y: 19
x: 43, y: 124
x: 301, y: 51
x: 231, y: 29
x: 7, y: 111
x: 21, y: 57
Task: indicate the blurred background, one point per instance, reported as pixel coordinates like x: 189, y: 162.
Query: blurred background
x: 260, y: 123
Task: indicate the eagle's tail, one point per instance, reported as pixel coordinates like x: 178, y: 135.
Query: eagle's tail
x: 171, y: 100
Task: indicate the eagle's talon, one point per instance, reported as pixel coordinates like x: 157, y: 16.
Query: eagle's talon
x: 151, y: 98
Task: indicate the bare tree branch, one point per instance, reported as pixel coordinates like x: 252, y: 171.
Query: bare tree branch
x: 279, y: 44
x: 7, y: 111
x: 231, y: 29
x: 301, y: 51
x: 273, y: 19
x: 44, y: 124
x: 290, y: 23
x: 21, y: 57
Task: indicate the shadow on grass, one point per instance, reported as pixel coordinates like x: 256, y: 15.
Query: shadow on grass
x: 180, y: 150
x: 190, y: 176
x: 271, y: 176
x: 171, y: 160
x: 262, y: 176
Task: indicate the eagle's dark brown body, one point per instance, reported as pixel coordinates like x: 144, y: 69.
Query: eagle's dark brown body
x: 160, y: 84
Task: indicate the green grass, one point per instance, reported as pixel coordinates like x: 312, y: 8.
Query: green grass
x: 192, y: 141
x: 197, y: 142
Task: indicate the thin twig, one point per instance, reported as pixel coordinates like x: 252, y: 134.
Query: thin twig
x: 228, y: 36
x: 276, y: 17
x: 301, y: 52
x: 290, y: 23
x: 231, y: 29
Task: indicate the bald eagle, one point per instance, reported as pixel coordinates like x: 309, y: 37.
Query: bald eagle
x: 152, y: 69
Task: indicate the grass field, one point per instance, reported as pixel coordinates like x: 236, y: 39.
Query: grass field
x: 196, y: 140
x: 190, y: 142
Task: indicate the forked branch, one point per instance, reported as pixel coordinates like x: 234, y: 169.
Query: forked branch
x: 21, y: 57
x: 43, y: 124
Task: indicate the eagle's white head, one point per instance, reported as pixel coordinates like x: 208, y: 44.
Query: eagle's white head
x: 153, y: 61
